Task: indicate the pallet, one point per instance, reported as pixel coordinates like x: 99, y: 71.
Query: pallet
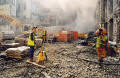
x: 35, y: 64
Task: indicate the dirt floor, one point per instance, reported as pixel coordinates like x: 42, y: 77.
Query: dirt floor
x: 69, y: 60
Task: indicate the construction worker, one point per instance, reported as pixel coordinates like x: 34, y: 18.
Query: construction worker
x: 31, y: 42
x: 86, y: 35
x: 101, y: 44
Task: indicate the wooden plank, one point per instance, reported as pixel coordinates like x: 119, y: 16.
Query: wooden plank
x: 35, y: 64
x: 17, y: 57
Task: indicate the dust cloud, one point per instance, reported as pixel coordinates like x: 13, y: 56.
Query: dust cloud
x: 75, y: 14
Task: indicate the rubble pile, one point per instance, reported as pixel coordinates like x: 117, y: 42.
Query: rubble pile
x: 22, y: 41
x: 68, y: 63
x: 12, y: 45
x: 92, y: 37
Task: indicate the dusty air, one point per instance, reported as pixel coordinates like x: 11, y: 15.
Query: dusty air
x: 59, y: 38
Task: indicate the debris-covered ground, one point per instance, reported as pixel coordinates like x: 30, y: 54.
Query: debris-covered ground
x: 69, y: 60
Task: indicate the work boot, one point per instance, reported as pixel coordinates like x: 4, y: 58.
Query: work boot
x: 100, y: 62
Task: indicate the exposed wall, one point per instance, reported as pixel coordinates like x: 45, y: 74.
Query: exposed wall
x: 110, y: 19
x: 108, y: 13
x: 116, y: 24
x: 8, y: 7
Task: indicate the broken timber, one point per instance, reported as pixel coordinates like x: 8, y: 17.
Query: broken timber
x: 35, y: 64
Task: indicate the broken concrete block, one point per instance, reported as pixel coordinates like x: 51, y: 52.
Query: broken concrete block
x: 12, y: 45
x: 3, y: 54
x: 17, y: 52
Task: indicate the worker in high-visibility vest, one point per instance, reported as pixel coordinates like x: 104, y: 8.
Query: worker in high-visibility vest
x: 31, y: 43
x: 101, y: 44
x: 86, y: 35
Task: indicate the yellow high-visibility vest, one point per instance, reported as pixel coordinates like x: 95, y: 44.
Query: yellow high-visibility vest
x: 99, y: 42
x: 86, y: 36
x: 31, y: 42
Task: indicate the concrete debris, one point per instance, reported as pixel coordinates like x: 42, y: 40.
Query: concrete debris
x: 84, y: 42
x: 17, y: 52
x: 46, y: 75
x: 22, y: 41
x: 3, y: 55
x: 38, y: 43
x: 68, y: 63
x: 12, y: 45
x: 113, y: 43
x: 8, y: 35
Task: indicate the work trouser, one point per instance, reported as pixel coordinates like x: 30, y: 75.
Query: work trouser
x: 31, y: 54
x: 101, y: 53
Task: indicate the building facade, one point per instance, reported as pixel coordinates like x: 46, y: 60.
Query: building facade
x: 11, y: 4
x: 108, y: 14
x: 8, y: 7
